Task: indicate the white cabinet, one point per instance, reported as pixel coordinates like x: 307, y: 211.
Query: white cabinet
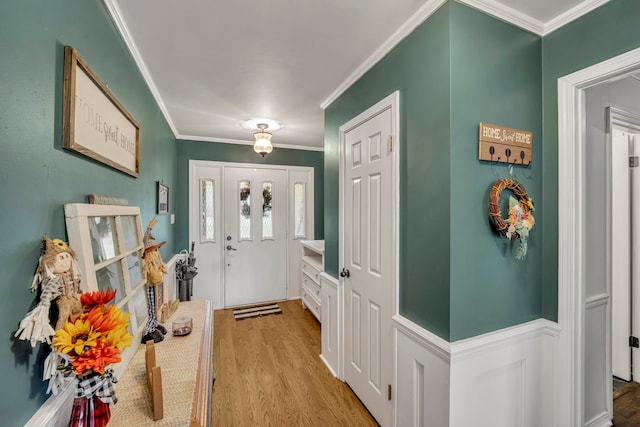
x: 312, y: 265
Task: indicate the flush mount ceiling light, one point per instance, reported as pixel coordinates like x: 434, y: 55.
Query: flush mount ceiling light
x: 262, y: 145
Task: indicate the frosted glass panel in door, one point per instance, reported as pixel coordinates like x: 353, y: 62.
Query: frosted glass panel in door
x: 244, y: 221
x: 300, y: 213
x: 207, y: 209
x: 267, y: 211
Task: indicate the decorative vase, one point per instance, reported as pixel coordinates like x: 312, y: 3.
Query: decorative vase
x: 89, y: 412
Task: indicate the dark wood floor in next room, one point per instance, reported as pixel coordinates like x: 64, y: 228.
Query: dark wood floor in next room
x: 268, y: 373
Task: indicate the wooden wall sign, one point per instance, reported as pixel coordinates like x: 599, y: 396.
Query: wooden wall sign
x: 505, y: 145
x: 94, y: 122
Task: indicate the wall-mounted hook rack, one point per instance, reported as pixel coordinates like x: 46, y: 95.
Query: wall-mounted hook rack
x: 507, y: 143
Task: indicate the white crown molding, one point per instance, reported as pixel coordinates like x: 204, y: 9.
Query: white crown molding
x: 243, y: 142
x: 507, y: 14
x: 572, y: 14
x: 405, y: 29
x: 116, y: 17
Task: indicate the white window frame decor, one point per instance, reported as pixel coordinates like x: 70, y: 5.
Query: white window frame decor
x: 78, y: 216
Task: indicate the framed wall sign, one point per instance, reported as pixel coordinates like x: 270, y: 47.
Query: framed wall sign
x: 163, y: 198
x: 94, y: 123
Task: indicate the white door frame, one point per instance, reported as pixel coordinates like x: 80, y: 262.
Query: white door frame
x: 390, y: 102
x: 310, y: 220
x: 571, y: 229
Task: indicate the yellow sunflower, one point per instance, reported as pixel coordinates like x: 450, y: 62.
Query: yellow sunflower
x: 75, y: 336
x: 118, y: 338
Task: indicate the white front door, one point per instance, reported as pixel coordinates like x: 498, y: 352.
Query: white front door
x: 255, y: 252
x: 369, y: 257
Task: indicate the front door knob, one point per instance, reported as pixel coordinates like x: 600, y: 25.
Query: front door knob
x: 345, y: 273
x: 230, y: 248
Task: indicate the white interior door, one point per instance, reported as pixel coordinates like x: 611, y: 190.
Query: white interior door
x: 624, y: 272
x: 255, y: 218
x: 634, y: 151
x: 369, y: 257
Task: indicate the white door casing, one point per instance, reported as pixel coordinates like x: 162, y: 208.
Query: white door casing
x: 569, y: 387
x: 369, y: 201
x: 255, y: 259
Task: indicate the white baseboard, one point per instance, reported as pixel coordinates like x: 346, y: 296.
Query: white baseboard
x: 502, y: 379
x: 601, y: 420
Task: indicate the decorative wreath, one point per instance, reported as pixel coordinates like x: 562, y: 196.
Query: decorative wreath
x: 520, y: 219
x: 524, y: 203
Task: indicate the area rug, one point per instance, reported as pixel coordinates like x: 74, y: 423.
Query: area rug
x: 256, y: 311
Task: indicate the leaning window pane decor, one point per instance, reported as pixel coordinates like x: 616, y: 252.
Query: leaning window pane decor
x: 108, y: 242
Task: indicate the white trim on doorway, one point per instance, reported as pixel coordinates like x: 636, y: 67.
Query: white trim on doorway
x: 571, y: 229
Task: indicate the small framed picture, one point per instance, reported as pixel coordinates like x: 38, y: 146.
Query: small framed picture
x: 163, y: 198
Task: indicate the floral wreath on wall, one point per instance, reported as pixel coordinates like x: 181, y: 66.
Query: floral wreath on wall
x: 520, y: 219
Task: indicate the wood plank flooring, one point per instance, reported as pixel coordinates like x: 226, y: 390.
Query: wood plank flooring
x: 268, y: 373
x: 626, y: 407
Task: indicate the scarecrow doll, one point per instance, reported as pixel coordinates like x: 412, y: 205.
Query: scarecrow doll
x: 155, y: 269
x: 58, y: 277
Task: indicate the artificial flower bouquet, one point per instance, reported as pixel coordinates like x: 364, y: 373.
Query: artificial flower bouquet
x: 87, y: 346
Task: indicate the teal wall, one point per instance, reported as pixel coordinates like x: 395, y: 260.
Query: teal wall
x: 419, y: 68
x: 221, y: 152
x: 496, y: 74
x: 461, y: 67
x: 38, y: 177
x: 604, y: 33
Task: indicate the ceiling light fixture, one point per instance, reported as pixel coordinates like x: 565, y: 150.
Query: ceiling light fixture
x: 262, y: 145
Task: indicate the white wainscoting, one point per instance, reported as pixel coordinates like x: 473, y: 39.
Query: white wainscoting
x: 331, y: 295
x: 56, y: 411
x: 421, y: 376
x: 500, y: 379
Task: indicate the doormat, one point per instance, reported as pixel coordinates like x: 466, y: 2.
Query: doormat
x: 256, y: 311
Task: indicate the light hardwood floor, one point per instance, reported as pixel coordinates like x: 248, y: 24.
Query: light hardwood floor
x: 268, y: 373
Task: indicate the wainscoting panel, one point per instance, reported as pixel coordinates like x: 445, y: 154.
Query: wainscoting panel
x: 331, y: 330
x: 504, y: 378
x: 501, y: 379
x: 421, y: 376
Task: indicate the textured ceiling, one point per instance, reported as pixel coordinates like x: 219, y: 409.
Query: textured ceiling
x: 213, y: 64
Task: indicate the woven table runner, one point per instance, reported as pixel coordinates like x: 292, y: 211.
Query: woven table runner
x: 178, y: 359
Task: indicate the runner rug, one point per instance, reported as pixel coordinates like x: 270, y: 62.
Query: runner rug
x: 256, y: 311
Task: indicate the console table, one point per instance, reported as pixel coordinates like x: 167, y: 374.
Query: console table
x: 187, y: 376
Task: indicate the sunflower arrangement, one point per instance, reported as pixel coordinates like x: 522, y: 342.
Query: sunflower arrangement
x: 95, y: 339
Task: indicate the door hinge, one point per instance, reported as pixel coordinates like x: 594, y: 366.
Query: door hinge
x: 634, y: 342
x: 389, y: 392
x: 634, y: 161
x: 390, y: 144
